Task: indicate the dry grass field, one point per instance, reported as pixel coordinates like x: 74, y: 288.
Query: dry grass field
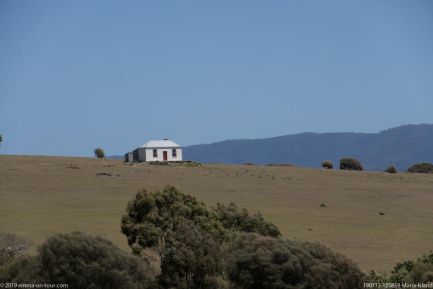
x: 41, y: 196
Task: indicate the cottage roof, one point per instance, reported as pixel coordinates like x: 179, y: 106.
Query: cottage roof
x: 165, y: 143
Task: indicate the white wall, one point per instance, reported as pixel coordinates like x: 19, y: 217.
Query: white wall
x: 160, y: 155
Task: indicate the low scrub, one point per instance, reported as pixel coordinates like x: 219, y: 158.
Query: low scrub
x: 271, y: 263
x: 327, y: 165
x: 419, y: 271
x: 351, y: 164
x: 424, y: 168
x: 236, y: 219
x: 81, y: 261
x: 214, y: 248
x: 391, y: 170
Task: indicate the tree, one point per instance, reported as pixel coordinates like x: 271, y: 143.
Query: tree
x: 391, y: 169
x: 23, y: 269
x: 235, y: 219
x: 257, y: 262
x: 200, y: 248
x: 424, y: 168
x: 99, y: 153
x: 150, y: 217
x: 184, y: 233
x: 1, y: 139
x: 11, y: 247
x: 82, y: 261
x: 327, y: 165
x: 418, y: 271
x: 192, y: 259
x: 350, y: 164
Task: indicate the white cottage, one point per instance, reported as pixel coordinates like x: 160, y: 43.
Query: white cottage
x: 157, y: 151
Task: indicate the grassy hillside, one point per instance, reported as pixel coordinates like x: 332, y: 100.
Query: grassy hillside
x: 41, y: 196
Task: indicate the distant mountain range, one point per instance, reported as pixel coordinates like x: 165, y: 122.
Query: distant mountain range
x: 401, y: 146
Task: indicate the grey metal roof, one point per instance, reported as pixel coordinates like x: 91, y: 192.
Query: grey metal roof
x: 165, y: 143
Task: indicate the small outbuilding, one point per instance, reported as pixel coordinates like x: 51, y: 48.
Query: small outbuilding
x: 157, y: 151
x: 129, y: 157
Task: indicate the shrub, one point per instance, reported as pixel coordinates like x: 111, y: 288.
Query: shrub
x: 151, y: 216
x: 23, y: 269
x: 236, y: 219
x: 327, y: 165
x: 271, y: 263
x: 11, y: 247
x: 376, y: 277
x: 184, y: 233
x: 410, y: 271
x: 350, y: 164
x: 81, y: 261
x: 99, y: 153
x: 418, y: 271
x: 391, y: 169
x: 200, y: 248
x: 421, y: 168
x: 191, y: 259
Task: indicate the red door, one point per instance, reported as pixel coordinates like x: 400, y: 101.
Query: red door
x: 164, y: 155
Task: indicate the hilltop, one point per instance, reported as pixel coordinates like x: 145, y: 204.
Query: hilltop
x: 401, y: 146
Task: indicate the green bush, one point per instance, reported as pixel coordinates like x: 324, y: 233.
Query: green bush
x: 350, y: 164
x: 187, y: 236
x: 200, y: 248
x: 327, y: 165
x: 235, y: 219
x: 81, y: 261
x: 99, y: 153
x: 421, y: 168
x: 410, y: 271
x: 418, y: 271
x: 391, y: 170
x: 184, y: 233
x: 257, y: 262
x: 23, y: 269
x: 375, y: 277
x: 191, y: 259
x: 151, y: 216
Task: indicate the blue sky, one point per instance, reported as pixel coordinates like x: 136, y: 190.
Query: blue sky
x: 75, y: 75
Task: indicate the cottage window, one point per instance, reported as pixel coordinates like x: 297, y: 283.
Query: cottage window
x: 174, y: 153
x: 155, y: 153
